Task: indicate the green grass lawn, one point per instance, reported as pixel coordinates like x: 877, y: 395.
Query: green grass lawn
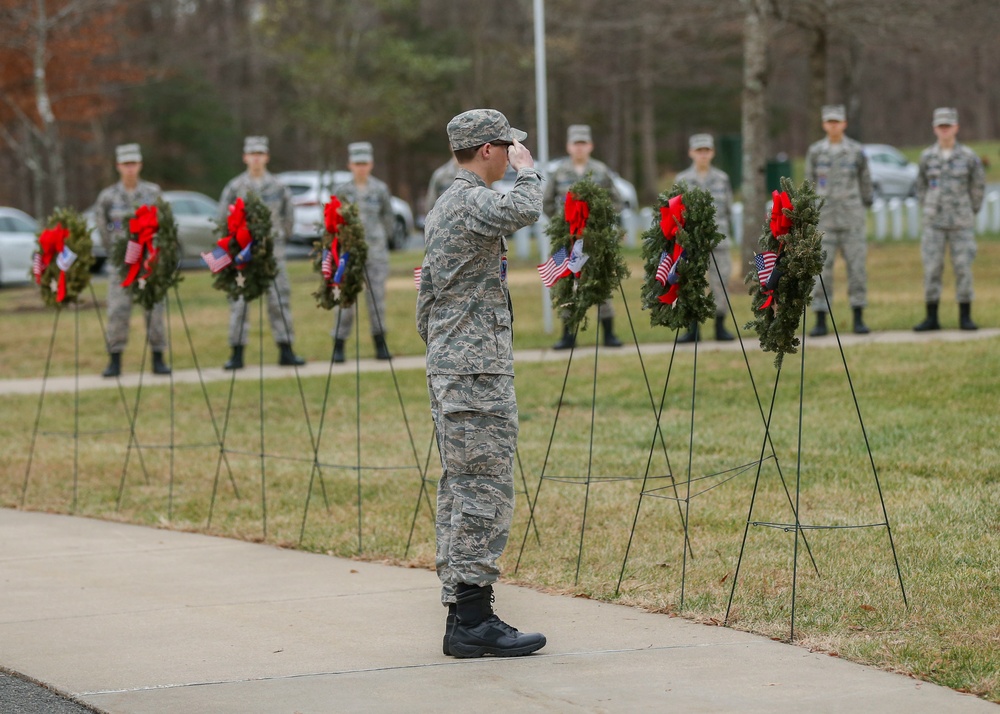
x: 929, y: 413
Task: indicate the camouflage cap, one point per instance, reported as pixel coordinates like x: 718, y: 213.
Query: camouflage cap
x: 127, y: 153
x: 360, y: 152
x: 481, y: 126
x: 578, y: 132
x: 834, y: 112
x: 701, y: 141
x: 255, y: 145
x: 947, y: 116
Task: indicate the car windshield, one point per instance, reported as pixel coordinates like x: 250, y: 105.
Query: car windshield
x: 16, y: 224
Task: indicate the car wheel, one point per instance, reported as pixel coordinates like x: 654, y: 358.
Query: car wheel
x: 98, y: 265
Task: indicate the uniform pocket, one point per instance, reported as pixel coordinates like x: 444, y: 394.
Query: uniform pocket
x: 479, y: 438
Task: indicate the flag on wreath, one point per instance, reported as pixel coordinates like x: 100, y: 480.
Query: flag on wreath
x: 764, y: 262
x: 556, y: 267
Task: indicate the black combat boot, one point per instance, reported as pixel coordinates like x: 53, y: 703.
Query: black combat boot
x: 159, y: 366
x: 860, y: 328
x: 610, y: 340
x: 820, y: 329
x: 965, y: 316
x: 381, y: 350
x: 691, y: 335
x: 235, y: 359
x: 286, y: 357
x: 338, y: 351
x: 721, y: 333
x: 931, y: 321
x: 114, y: 367
x: 478, y: 631
x: 449, y: 628
x: 567, y: 342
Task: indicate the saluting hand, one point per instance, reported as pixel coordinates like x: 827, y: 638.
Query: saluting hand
x: 519, y: 156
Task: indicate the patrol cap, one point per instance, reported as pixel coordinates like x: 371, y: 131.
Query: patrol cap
x: 834, y: 112
x: 255, y: 145
x: 578, y: 132
x: 360, y: 152
x: 701, y: 141
x: 945, y: 116
x: 481, y: 126
x: 127, y: 153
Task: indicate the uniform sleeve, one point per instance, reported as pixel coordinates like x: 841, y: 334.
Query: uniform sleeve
x: 287, y: 212
x: 977, y: 183
x: 921, y: 186
x: 810, y: 165
x: 865, y: 179
x: 729, y: 203
x: 616, y: 198
x: 387, y: 216
x: 425, y: 301
x: 225, y: 201
x: 103, y: 218
x: 501, y: 215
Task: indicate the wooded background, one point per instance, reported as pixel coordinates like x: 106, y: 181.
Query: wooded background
x: 189, y: 78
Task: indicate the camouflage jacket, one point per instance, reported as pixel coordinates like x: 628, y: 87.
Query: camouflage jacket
x: 951, y: 190
x: 441, y: 179
x: 716, y: 182
x: 115, y: 205
x: 374, y: 204
x: 840, y: 172
x: 463, y: 309
x: 565, y: 175
x: 275, y: 196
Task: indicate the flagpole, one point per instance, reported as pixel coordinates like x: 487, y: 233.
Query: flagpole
x: 542, y: 132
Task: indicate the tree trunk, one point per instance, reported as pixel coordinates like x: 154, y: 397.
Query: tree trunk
x: 755, y: 76
x: 50, y: 130
x: 647, y: 121
x: 818, y: 51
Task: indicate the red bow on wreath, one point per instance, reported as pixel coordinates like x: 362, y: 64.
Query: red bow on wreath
x: 781, y: 224
x: 577, y: 212
x: 672, y: 217
x: 237, y: 227
x: 332, y: 217
x: 141, y: 253
x: 51, y: 243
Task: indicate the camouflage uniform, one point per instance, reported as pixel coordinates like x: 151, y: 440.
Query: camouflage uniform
x: 716, y: 182
x: 557, y: 184
x: 951, y: 190
x: 441, y: 179
x: 278, y: 198
x: 115, y: 205
x: 840, y: 172
x: 463, y: 316
x: 375, y: 206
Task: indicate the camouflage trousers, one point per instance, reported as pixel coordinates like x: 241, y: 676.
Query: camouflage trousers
x: 378, y: 273
x: 718, y: 285
x: 962, y: 243
x: 475, y: 416
x: 279, y: 312
x: 852, y: 244
x: 120, y: 313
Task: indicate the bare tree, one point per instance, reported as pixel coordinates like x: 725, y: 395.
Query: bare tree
x: 755, y: 80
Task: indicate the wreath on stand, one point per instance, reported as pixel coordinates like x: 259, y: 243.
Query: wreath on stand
x: 61, y: 264
x: 677, y: 250
x: 340, y: 256
x: 782, y: 276
x: 147, y: 261
x: 243, y: 261
x: 587, y: 234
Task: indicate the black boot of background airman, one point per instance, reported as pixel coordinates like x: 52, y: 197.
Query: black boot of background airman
x: 965, y: 316
x: 235, y: 359
x: 721, y: 333
x: 159, y: 366
x: 567, y: 342
x: 820, y: 329
x: 860, y: 328
x: 287, y: 357
x: 114, y: 367
x: 338, y: 351
x: 610, y: 340
x: 381, y: 349
x: 931, y: 321
x: 691, y: 335
x: 478, y: 631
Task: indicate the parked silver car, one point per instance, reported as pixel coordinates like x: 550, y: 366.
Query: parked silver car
x: 892, y: 174
x: 18, y: 238
x: 311, y: 189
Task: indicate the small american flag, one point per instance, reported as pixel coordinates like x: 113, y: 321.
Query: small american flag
x: 133, y: 252
x: 36, y: 266
x: 554, y: 268
x: 243, y: 257
x: 65, y: 259
x: 664, y: 268
x: 341, y: 267
x: 764, y: 262
x: 326, y: 267
x: 216, y: 260
x: 416, y: 277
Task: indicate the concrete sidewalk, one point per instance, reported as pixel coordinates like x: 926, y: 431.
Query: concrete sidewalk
x: 132, y: 619
x: 321, y: 368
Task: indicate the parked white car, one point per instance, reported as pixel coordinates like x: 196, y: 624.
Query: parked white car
x: 18, y: 239
x: 311, y: 189
x: 892, y: 174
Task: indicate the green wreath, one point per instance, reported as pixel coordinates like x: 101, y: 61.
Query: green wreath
x: 150, y: 281
x: 61, y: 265
x: 698, y: 236
x: 255, y: 276
x: 342, y: 224
x: 792, y: 236
x: 605, y: 267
